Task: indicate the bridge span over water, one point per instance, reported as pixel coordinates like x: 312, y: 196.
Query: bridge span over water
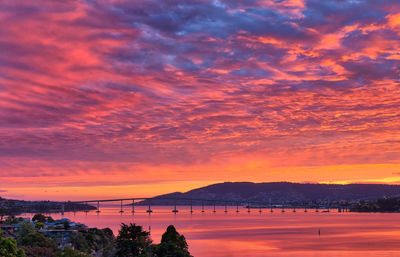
x: 178, y: 201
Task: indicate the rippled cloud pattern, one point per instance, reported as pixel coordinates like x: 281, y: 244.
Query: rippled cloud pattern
x: 190, y: 87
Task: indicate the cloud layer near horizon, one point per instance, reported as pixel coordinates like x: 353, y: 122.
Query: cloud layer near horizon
x: 104, y: 87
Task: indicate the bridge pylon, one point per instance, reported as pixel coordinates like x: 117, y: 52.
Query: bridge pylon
x: 149, y: 211
x: 98, y: 207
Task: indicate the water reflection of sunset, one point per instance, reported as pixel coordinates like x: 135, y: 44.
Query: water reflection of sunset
x: 254, y: 234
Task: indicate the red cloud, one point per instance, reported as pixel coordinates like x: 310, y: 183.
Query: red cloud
x: 88, y: 88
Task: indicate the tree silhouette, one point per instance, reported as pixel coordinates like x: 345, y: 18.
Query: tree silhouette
x: 39, y: 218
x: 173, y: 244
x: 133, y: 241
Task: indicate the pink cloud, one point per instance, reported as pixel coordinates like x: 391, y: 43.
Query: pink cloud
x: 99, y: 86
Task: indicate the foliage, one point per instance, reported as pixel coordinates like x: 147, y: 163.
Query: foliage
x: 92, y: 240
x: 25, y: 229
x: 39, y: 225
x: 389, y: 204
x: 13, y: 220
x: 37, y: 251
x: 37, y: 239
x: 79, y: 242
x: 173, y: 244
x: 133, y: 241
x: 39, y: 218
x: 66, y: 225
x: 110, y: 250
x: 8, y: 247
x: 172, y: 236
x: 381, y: 205
x: 69, y: 252
x: 108, y: 233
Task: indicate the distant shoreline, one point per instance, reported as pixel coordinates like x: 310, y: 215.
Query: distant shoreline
x: 16, y: 207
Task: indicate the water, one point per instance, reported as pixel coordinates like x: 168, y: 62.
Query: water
x: 263, y: 234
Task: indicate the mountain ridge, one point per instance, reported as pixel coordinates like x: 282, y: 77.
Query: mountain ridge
x: 280, y: 192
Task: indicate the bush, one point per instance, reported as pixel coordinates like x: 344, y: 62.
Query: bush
x: 37, y: 239
x: 8, y: 247
x: 69, y: 252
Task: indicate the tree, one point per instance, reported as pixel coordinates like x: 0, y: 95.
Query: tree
x: 13, y: 220
x: 37, y: 239
x: 66, y: 225
x: 133, y: 241
x: 92, y: 240
x: 37, y: 251
x: 69, y: 252
x: 173, y: 244
x: 25, y: 229
x: 39, y: 218
x: 39, y: 225
x: 8, y: 247
x: 108, y: 233
x: 79, y: 242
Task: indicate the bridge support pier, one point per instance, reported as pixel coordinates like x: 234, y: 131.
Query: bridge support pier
x: 121, y: 211
x: 98, y: 207
x: 149, y: 211
x: 86, y: 208
x: 71, y: 206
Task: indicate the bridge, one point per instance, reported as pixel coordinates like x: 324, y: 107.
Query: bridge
x: 140, y: 201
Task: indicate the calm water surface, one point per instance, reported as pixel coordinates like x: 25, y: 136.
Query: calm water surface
x: 253, y: 234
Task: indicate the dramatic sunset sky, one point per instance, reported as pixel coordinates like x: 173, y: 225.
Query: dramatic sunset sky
x: 128, y: 98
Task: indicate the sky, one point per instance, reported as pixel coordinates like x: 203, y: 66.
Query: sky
x: 120, y: 98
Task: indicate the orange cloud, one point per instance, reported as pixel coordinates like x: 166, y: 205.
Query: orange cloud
x: 394, y: 20
x: 108, y: 96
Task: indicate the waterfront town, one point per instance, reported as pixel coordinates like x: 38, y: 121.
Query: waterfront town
x: 42, y: 236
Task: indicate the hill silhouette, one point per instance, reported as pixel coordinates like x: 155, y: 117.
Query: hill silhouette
x: 280, y: 192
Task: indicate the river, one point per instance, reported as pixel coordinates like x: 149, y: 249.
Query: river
x: 262, y: 234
